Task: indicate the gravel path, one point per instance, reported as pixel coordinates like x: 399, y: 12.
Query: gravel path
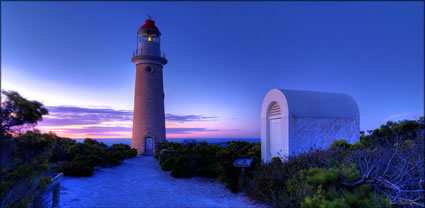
x: 139, y: 182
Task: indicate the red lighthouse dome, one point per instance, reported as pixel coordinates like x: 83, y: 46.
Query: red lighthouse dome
x: 149, y: 24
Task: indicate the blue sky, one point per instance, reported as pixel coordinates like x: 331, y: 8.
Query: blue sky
x: 223, y: 57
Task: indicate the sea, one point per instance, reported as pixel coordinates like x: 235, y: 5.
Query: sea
x: 221, y: 141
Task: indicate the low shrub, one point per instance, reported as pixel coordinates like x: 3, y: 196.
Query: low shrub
x: 324, y: 188
x: 166, y: 153
x: 230, y: 175
x: 126, y: 150
x: 165, y: 145
x: 267, y: 185
x: 181, y: 168
x: 276, y: 160
x: 207, y: 160
x: 340, y: 143
x: 168, y: 164
x: 83, y: 157
x: 77, y: 168
x: 44, y: 182
x: 114, y: 158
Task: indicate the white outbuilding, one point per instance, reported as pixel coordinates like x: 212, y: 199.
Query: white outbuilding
x: 293, y: 121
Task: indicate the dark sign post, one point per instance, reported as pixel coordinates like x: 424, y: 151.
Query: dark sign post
x: 243, y: 163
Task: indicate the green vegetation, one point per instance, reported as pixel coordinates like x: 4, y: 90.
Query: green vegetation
x: 384, y: 169
x: 188, y: 160
x: 17, y: 111
x: 83, y: 157
x: 318, y: 187
x: 29, y: 160
x: 205, y: 160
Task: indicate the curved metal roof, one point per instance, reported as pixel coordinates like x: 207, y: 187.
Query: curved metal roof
x: 319, y: 104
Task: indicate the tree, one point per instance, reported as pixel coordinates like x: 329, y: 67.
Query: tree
x: 394, y: 167
x: 16, y: 111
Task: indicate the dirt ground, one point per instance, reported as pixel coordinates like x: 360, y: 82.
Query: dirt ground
x: 139, y: 182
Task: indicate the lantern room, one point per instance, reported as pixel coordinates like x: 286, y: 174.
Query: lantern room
x: 148, y: 40
x: 149, y: 32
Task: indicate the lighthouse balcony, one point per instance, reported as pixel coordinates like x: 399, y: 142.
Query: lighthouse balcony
x: 140, y: 52
x: 141, y: 56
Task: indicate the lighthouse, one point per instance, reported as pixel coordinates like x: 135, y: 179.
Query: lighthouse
x: 148, y: 115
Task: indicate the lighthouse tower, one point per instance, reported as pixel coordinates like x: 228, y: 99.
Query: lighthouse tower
x: 148, y: 116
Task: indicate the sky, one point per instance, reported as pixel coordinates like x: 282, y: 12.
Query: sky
x: 223, y: 58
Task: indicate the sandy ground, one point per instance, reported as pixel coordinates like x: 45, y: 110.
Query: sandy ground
x: 139, y: 182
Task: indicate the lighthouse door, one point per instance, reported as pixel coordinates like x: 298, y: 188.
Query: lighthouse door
x: 148, y: 145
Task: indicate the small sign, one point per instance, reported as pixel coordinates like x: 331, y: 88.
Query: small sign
x: 242, y: 163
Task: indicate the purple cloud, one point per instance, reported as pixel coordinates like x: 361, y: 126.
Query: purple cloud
x: 188, y: 118
x: 90, y: 120
x: 105, y: 129
x: 188, y: 130
x: 99, y: 129
x: 73, y: 115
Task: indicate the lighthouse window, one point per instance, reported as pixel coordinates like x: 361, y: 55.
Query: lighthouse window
x: 149, y: 69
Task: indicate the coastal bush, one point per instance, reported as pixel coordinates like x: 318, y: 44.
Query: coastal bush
x: 77, y: 168
x: 181, y: 168
x: 327, y: 188
x: 276, y: 160
x: 164, y: 145
x: 391, y: 132
x: 293, y: 183
x: 44, y: 181
x: 343, y: 144
x: 24, y: 160
x: 230, y: 175
x: 60, y: 150
x: 204, y: 158
x: 117, y: 153
x: 83, y: 157
x: 267, y: 185
x: 168, y: 164
x: 340, y: 144
x: 113, y: 158
x: 201, y: 158
x: 166, y: 153
x: 126, y: 150
x: 207, y: 160
x: 22, y: 202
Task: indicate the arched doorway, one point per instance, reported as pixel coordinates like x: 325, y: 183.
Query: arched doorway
x: 148, y: 146
x: 274, y: 131
x: 274, y: 126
